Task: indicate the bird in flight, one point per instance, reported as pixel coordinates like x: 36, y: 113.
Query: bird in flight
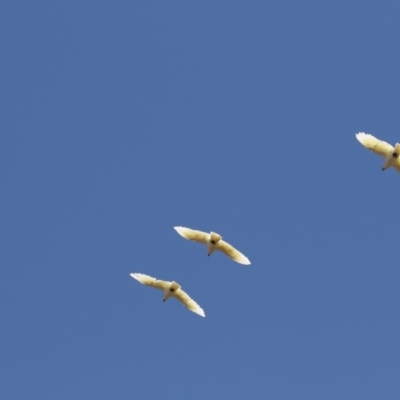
x: 170, y: 289
x: 213, y: 241
x: 387, y: 151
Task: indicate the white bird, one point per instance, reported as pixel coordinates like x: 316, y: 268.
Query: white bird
x: 384, y: 149
x: 171, y: 289
x: 213, y: 241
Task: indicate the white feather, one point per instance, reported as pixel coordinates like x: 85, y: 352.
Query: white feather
x: 387, y: 151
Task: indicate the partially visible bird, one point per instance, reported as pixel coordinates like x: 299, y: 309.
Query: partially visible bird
x: 213, y: 241
x: 387, y: 151
x: 170, y: 289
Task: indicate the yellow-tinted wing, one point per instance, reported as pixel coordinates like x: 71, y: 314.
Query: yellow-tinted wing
x: 150, y: 281
x: 191, y: 234
x: 372, y: 143
x: 184, y: 298
x: 231, y: 252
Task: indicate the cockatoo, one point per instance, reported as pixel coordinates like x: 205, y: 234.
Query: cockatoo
x: 213, y: 241
x: 170, y: 289
x: 387, y: 151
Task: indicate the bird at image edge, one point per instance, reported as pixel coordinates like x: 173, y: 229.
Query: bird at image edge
x: 384, y: 149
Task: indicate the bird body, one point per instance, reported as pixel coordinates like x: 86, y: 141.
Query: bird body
x: 170, y: 289
x: 214, y: 242
x: 390, y: 154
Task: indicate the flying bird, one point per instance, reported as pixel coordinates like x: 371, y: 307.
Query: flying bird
x: 384, y: 149
x: 213, y: 241
x: 170, y: 289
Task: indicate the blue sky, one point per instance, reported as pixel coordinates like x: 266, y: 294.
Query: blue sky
x: 123, y: 119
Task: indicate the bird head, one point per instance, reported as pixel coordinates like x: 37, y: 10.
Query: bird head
x: 215, y: 238
x: 171, y: 290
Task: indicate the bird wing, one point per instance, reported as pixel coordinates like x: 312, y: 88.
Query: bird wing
x: 372, y: 143
x: 191, y: 234
x: 185, y: 299
x: 231, y: 252
x: 150, y: 281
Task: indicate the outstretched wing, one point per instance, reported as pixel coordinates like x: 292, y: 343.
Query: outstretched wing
x: 184, y: 298
x: 372, y: 143
x: 150, y: 281
x: 231, y: 252
x: 191, y: 234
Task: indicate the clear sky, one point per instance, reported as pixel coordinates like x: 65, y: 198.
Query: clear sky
x: 122, y: 119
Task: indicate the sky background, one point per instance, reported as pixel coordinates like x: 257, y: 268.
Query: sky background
x: 120, y: 120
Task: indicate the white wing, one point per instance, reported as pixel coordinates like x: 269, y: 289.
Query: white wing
x: 184, y: 298
x: 191, y: 234
x: 231, y: 252
x: 372, y: 143
x: 150, y: 281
